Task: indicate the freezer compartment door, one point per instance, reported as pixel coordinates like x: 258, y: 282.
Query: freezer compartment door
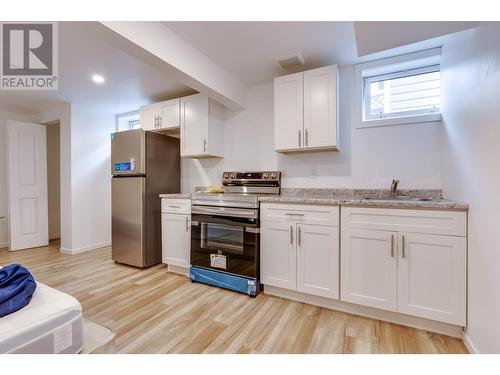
x: 128, y: 152
x: 128, y: 221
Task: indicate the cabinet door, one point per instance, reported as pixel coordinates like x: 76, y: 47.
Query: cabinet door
x: 151, y: 117
x: 320, y: 107
x: 432, y: 277
x: 288, y: 112
x: 171, y: 116
x: 318, y: 260
x: 176, y: 238
x: 369, y: 268
x: 278, y: 259
x: 194, y: 125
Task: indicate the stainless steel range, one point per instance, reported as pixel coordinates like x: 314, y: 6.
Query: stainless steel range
x: 225, y: 233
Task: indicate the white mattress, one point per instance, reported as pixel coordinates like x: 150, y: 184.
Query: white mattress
x: 51, y: 323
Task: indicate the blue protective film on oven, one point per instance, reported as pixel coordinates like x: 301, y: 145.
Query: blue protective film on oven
x: 224, y: 280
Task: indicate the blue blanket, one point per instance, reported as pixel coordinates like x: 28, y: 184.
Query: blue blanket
x: 17, y: 286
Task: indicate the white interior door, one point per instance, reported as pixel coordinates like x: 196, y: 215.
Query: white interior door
x: 27, y: 185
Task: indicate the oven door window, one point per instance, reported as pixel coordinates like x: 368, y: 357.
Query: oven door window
x: 215, y: 236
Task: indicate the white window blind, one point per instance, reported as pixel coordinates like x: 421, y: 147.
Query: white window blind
x: 402, y: 93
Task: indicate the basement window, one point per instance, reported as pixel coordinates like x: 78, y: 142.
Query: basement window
x: 128, y: 121
x: 406, y: 93
x: 399, y: 90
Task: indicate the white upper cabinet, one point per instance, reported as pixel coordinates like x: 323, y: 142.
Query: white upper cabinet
x: 289, y: 112
x: 320, y: 107
x: 161, y: 116
x: 151, y: 116
x: 171, y: 114
x: 202, y: 127
x: 305, y: 110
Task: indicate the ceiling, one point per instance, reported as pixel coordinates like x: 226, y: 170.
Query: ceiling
x: 82, y: 52
x: 247, y: 50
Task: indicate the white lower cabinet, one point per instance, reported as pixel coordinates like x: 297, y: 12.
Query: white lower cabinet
x: 278, y: 260
x: 432, y: 277
x: 412, y: 271
x: 298, y: 256
x: 369, y: 268
x: 176, y: 233
x: 176, y: 239
x: 318, y: 260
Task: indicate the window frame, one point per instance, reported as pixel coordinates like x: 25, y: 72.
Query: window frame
x: 393, y: 67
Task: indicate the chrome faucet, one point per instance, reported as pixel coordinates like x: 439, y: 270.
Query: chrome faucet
x: 394, y: 187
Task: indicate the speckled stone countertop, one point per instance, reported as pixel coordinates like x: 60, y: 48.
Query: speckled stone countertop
x: 423, y: 199
x: 176, y: 196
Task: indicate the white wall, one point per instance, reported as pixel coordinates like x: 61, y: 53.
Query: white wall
x: 90, y: 178
x: 62, y: 112
x: 4, y: 117
x: 54, y: 179
x: 368, y: 158
x: 471, y: 157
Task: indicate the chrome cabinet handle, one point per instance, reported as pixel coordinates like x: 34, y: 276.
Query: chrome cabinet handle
x: 187, y: 224
x: 392, y: 245
x: 291, y: 235
x: 293, y: 214
x: 157, y: 121
x: 403, y: 246
x: 204, y: 145
x: 300, y: 236
x: 300, y: 138
x: 307, y: 138
x: 174, y: 206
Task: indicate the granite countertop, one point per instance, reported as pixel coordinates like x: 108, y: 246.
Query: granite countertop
x: 423, y: 199
x: 176, y: 196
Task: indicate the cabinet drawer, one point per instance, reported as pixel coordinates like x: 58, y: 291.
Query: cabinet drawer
x: 449, y: 223
x: 176, y: 206
x: 300, y: 213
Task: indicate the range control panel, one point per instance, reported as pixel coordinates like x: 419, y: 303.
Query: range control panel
x: 250, y: 177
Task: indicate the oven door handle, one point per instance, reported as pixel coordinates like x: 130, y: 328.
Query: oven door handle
x: 225, y: 211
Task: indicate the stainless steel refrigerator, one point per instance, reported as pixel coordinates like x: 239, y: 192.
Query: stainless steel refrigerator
x: 144, y: 165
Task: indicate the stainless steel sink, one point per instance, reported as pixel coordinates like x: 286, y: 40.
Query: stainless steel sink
x: 398, y: 198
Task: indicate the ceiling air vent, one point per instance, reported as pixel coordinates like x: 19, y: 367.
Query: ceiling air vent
x: 290, y: 61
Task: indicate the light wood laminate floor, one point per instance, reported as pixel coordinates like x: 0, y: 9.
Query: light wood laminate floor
x: 153, y: 311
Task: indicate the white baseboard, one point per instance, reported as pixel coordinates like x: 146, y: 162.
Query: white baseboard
x: 84, y: 249
x: 4, y: 245
x: 470, y: 345
x: 54, y: 237
x: 178, y: 270
x: 369, y: 312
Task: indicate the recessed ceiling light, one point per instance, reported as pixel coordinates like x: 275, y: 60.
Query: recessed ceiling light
x: 97, y: 78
